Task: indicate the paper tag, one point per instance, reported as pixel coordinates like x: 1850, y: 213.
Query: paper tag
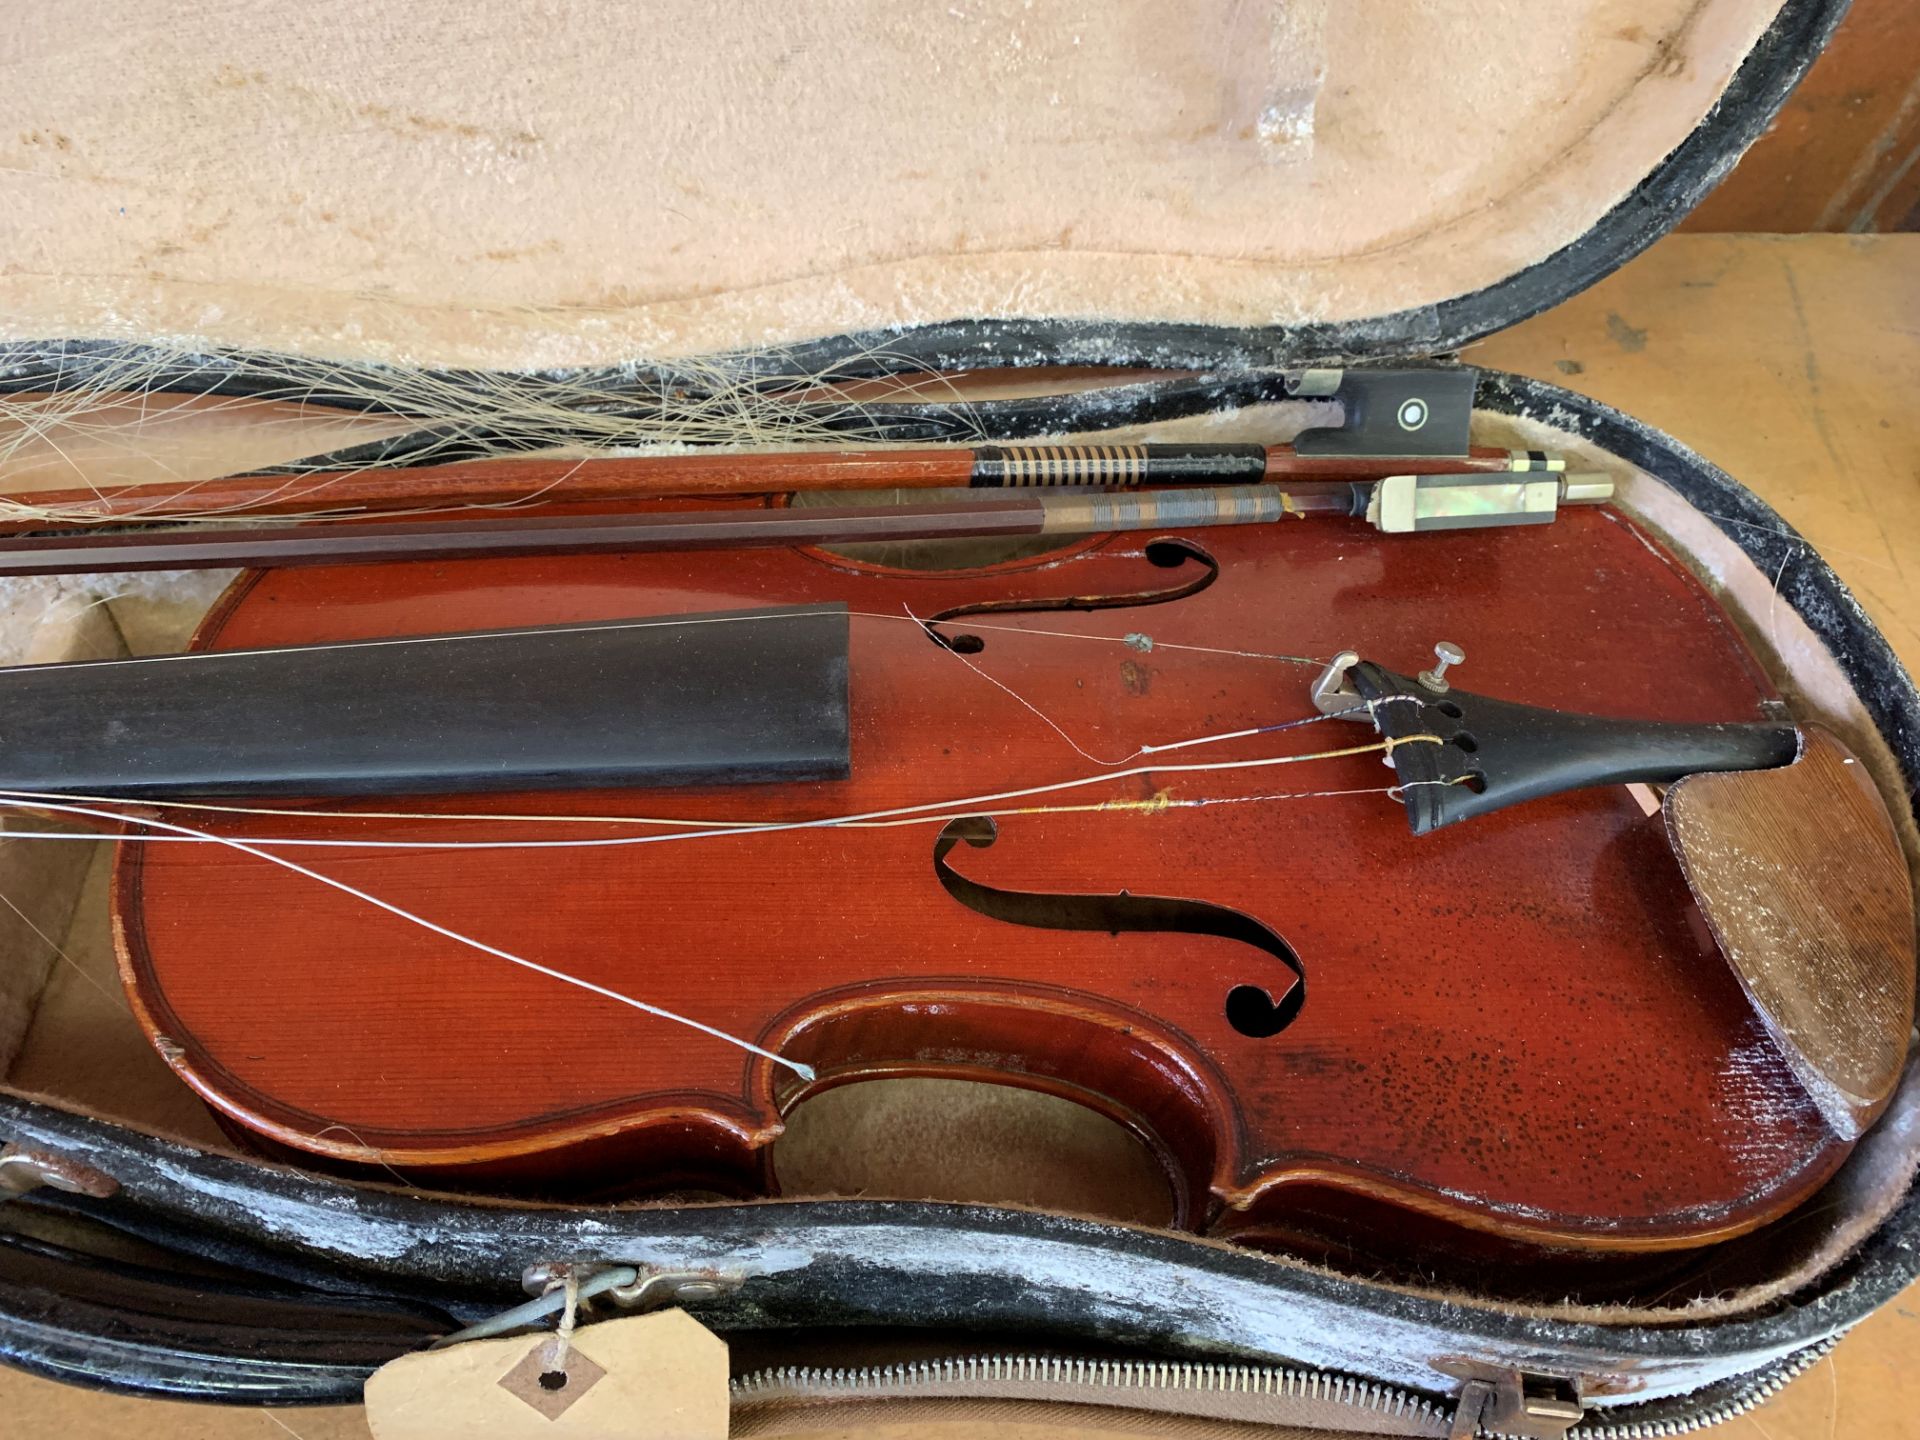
x: 661, y: 1376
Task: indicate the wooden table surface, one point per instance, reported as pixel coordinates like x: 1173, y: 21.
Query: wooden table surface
x: 1794, y: 363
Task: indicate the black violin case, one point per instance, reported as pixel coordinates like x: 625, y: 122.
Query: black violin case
x: 150, y: 1265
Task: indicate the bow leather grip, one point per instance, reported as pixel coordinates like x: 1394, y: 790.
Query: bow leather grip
x: 730, y: 698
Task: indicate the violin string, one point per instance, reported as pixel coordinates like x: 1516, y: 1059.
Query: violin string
x: 44, y: 803
x: 60, y: 950
x: 27, y: 800
x: 1162, y: 801
x: 1055, y: 725
x: 920, y: 812
x: 1134, y: 641
x: 403, y: 641
x: 1018, y: 698
x: 521, y: 817
x: 512, y: 817
x: 446, y: 932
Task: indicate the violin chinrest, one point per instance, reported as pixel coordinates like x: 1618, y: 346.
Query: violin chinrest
x: 1800, y: 875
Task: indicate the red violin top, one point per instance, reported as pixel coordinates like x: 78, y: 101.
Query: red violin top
x: 1115, y: 854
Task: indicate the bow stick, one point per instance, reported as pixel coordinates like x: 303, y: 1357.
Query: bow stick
x: 510, y: 482
x: 1395, y: 504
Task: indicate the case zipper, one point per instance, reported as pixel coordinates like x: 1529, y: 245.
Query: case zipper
x: 1237, y: 1392
x: 1215, y: 1391
x: 1768, y: 1386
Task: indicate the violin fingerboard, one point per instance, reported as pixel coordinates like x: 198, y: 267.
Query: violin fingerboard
x: 733, y: 697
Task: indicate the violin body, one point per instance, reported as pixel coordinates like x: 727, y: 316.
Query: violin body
x: 1517, y: 1026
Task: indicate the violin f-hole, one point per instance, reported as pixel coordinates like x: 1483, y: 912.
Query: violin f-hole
x: 1251, y: 1009
x: 1167, y: 552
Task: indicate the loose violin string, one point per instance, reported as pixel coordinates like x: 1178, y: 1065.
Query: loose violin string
x: 929, y: 812
x: 924, y: 812
x: 1055, y: 725
x: 29, y: 800
x: 1154, y: 805
x: 521, y: 817
x: 59, y: 950
x: 446, y: 932
x: 1140, y: 642
x: 50, y: 804
x: 874, y: 820
x: 1132, y: 641
x: 1019, y: 699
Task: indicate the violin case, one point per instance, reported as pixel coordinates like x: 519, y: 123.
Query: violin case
x: 1236, y: 204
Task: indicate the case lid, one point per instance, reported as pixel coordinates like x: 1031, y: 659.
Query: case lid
x: 508, y: 186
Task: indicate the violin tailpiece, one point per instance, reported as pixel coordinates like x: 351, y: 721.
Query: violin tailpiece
x: 1785, y: 844
x: 1488, y: 754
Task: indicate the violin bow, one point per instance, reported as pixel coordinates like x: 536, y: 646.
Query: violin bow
x: 373, y: 491
x: 1394, y: 504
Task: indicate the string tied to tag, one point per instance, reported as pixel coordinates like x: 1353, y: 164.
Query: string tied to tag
x: 562, y: 1342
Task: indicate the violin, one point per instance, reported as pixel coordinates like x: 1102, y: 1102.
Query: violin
x: 1126, y: 821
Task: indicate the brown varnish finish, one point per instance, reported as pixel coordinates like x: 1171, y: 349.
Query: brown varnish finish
x: 1516, y: 1025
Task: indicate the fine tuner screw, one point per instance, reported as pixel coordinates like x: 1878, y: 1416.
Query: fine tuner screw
x: 1447, y: 653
